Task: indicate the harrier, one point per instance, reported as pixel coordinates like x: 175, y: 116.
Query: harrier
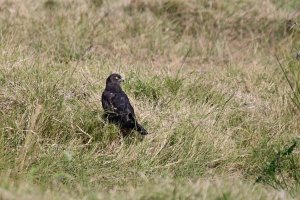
x: 117, y: 106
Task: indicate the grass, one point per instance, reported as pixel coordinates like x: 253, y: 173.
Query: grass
x: 204, y: 80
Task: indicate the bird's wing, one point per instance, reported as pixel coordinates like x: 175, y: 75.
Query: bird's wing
x: 121, y: 104
x: 106, y: 101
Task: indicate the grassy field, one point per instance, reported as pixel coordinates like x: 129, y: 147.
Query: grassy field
x: 217, y: 84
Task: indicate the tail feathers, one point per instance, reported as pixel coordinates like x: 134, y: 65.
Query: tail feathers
x: 137, y: 126
x: 141, y: 129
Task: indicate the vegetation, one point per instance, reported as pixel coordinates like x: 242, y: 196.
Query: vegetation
x: 216, y: 83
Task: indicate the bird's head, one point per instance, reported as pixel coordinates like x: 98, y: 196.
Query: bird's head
x: 115, y: 79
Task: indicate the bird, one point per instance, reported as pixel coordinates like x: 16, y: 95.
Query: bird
x: 117, y: 107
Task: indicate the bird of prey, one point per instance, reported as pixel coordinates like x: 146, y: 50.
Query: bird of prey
x: 117, y: 108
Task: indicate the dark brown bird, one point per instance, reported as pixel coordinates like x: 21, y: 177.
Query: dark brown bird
x: 117, y: 106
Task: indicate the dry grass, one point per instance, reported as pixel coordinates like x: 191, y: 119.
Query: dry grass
x: 202, y: 76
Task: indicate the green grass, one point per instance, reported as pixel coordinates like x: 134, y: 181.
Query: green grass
x: 204, y: 80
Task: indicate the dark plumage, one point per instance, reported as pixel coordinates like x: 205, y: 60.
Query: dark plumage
x: 117, y: 107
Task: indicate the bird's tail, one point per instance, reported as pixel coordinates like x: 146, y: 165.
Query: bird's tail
x: 141, y: 129
x: 137, y: 126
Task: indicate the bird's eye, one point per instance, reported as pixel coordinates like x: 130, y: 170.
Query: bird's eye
x: 116, y: 78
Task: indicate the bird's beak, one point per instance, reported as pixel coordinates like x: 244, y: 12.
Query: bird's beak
x: 122, y: 79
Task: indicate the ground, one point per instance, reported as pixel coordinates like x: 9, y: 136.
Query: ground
x: 217, y: 84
